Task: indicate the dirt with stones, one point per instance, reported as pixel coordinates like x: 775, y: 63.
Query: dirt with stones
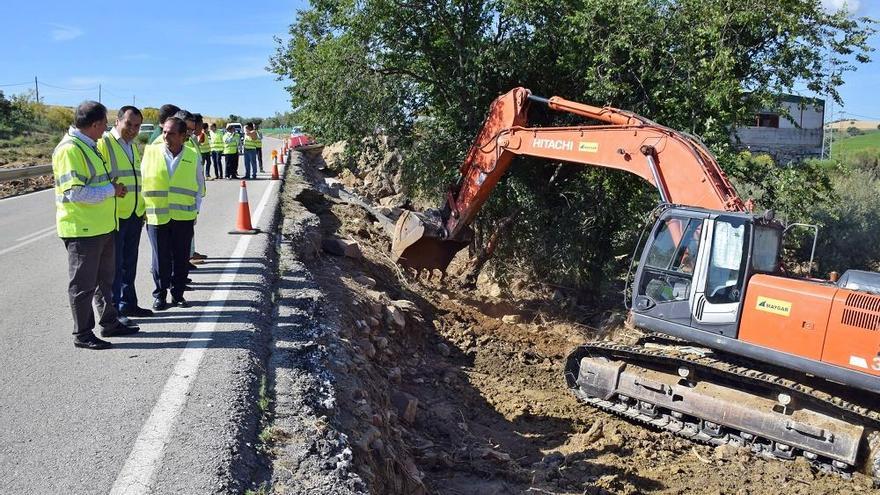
x: 453, y: 391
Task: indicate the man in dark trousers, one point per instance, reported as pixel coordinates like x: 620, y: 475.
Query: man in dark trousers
x: 230, y: 152
x: 85, y: 214
x: 172, y: 194
x: 119, y: 151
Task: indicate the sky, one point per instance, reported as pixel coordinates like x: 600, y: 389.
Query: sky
x: 207, y: 57
x: 211, y: 57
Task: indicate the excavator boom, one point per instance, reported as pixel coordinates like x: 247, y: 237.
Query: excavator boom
x: 679, y: 166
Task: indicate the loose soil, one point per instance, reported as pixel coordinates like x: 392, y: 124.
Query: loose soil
x: 438, y: 394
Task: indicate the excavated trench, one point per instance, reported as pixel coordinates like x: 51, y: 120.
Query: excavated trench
x: 443, y: 390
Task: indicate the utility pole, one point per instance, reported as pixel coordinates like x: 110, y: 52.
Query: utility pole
x: 132, y: 101
x: 99, y: 93
x: 37, y: 88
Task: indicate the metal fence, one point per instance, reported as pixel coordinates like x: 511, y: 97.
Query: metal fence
x: 24, y: 172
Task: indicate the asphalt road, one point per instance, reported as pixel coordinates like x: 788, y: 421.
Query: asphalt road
x: 162, y: 411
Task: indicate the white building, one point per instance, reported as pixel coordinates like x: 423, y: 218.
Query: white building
x: 786, y: 140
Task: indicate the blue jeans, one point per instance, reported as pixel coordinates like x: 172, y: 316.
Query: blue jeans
x: 127, y: 238
x: 250, y: 164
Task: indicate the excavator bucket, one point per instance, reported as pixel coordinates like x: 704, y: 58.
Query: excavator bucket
x: 417, y: 243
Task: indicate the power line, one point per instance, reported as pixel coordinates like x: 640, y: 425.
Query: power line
x: 16, y: 84
x: 69, y: 89
x: 860, y: 116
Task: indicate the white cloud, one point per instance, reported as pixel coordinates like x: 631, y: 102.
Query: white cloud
x: 852, y: 6
x: 236, y: 74
x: 61, y: 32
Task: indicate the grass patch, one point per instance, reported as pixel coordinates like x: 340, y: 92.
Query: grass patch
x: 30, y: 148
x: 263, y: 489
x: 264, y: 401
x: 844, y: 146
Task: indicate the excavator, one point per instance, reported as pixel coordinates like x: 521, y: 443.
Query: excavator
x: 735, y: 350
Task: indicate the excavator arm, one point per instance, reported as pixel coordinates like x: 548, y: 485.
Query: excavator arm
x: 678, y: 165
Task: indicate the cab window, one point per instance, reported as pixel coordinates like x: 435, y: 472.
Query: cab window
x: 727, y: 261
x: 671, y: 260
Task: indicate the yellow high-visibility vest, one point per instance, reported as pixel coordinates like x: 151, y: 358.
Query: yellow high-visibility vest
x: 75, y: 163
x: 250, y: 143
x: 217, y: 141
x: 126, y: 173
x: 230, y: 147
x: 169, y: 198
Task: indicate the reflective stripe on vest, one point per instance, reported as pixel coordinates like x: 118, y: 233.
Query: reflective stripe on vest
x: 128, y: 175
x: 231, y: 147
x: 216, y: 141
x: 75, y: 169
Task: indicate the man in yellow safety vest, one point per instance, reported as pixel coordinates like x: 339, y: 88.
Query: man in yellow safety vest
x: 230, y: 152
x: 172, y: 193
x: 216, y: 150
x: 118, y: 149
x: 85, y: 215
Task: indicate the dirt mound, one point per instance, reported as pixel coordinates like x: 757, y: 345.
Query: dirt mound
x: 22, y: 186
x: 461, y: 392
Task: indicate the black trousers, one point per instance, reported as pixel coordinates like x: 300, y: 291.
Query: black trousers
x: 171, y: 243
x: 91, y: 266
x: 206, y: 161
x: 260, y: 158
x: 231, y: 165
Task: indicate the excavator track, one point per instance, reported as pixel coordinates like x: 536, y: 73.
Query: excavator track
x: 718, y: 399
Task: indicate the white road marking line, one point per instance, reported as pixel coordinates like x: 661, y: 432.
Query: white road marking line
x: 27, y: 195
x: 139, y: 472
x: 41, y: 231
x: 25, y: 243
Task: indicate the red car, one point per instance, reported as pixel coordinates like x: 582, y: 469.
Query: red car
x: 300, y: 140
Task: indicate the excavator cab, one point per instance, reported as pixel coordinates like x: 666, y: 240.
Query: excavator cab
x: 694, y: 268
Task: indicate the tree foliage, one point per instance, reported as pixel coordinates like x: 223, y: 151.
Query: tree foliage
x: 426, y: 72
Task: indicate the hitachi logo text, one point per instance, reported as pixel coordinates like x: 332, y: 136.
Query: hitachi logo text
x: 553, y: 144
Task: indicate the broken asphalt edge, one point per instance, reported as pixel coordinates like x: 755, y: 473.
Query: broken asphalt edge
x: 309, y: 454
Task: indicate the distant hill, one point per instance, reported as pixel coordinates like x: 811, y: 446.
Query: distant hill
x: 863, y: 125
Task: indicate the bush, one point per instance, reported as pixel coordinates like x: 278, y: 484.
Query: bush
x: 58, y: 118
x: 854, y: 131
x: 849, y: 229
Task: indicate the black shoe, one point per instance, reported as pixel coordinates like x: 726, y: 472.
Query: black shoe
x: 136, y: 311
x: 160, y: 304
x: 180, y: 303
x: 189, y: 280
x: 187, y: 288
x: 91, y: 342
x: 193, y: 267
x: 126, y: 322
x: 120, y: 330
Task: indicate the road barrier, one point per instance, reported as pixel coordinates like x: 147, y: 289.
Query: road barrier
x: 24, y: 172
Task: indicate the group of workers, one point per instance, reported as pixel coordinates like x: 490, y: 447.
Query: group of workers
x: 105, y: 192
x: 214, y: 144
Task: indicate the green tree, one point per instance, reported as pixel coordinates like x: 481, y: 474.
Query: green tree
x: 427, y: 71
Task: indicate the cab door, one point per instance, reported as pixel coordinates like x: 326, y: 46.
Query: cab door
x: 719, y: 276
x: 664, y: 280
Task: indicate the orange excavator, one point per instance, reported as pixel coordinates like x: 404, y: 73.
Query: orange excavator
x: 734, y: 350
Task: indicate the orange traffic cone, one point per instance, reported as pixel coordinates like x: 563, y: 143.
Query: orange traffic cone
x: 243, y: 224
x: 275, y: 170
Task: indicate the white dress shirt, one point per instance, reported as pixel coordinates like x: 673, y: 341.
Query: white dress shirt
x: 172, y: 162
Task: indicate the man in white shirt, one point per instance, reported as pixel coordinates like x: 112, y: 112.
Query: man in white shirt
x: 118, y: 150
